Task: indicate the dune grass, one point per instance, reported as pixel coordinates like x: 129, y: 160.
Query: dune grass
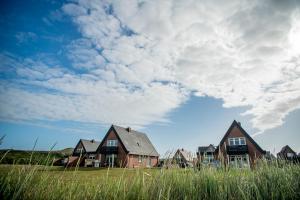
x: 268, y: 181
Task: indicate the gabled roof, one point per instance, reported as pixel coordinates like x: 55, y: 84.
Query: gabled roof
x: 236, y: 124
x: 287, y: 147
x: 89, y: 145
x: 187, y: 155
x: 133, y: 141
x: 210, y: 148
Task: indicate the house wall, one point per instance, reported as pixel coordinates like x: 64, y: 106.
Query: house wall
x: 134, y: 161
x: 287, y: 150
x: 122, y: 155
x: 200, y: 156
x: 254, y: 153
x: 78, y: 146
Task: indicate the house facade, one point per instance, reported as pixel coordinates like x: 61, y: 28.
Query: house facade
x: 124, y: 147
x: 206, y: 154
x: 287, y: 153
x: 85, y: 154
x: 238, y: 149
x: 183, y: 158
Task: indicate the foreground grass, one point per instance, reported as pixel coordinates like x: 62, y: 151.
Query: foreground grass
x: 40, y: 182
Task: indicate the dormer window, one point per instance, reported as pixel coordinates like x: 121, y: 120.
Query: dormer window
x: 112, y: 143
x: 237, y: 141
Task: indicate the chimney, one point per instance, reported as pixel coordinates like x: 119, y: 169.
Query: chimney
x: 128, y: 129
x: 92, y: 141
x: 239, y: 123
x: 182, y: 149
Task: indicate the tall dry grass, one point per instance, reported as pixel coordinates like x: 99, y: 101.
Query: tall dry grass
x: 270, y: 180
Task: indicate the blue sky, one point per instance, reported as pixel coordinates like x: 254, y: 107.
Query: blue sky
x: 179, y: 71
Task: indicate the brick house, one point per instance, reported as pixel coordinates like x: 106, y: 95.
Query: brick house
x: 206, y: 154
x: 237, y: 148
x: 86, y: 151
x: 124, y: 147
x: 287, y: 153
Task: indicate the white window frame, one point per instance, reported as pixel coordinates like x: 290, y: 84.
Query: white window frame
x: 239, y: 161
x: 140, y: 159
x: 242, y: 139
x: 110, y: 159
x: 79, y: 150
x: 234, y: 141
x: 112, y: 143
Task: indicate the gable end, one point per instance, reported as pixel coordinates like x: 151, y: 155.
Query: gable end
x: 105, y: 137
x: 236, y: 124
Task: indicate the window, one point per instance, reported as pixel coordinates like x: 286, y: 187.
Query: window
x: 140, y: 158
x: 79, y: 150
x: 149, y: 162
x: 111, y: 160
x: 231, y: 141
x: 242, y: 141
x: 91, y: 156
x: 290, y: 155
x: 237, y: 141
x: 208, y: 157
x: 239, y: 161
x: 112, y: 143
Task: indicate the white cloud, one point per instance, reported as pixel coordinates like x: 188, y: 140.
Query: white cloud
x: 141, y: 59
x: 44, y: 92
x: 23, y: 37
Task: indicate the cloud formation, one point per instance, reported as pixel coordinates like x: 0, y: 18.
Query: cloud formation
x: 138, y: 60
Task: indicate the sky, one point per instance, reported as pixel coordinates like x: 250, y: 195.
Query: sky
x: 180, y: 71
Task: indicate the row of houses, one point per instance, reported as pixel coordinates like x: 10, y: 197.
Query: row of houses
x: 120, y: 147
x: 124, y: 147
x: 236, y: 149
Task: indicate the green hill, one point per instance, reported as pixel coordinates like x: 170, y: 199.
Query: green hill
x: 10, y: 156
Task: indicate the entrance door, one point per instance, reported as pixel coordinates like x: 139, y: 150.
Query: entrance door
x: 111, y: 160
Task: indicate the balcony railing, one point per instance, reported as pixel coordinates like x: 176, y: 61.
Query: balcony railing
x: 237, y: 149
x: 108, y: 150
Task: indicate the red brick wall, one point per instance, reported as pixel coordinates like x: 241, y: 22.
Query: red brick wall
x: 134, y: 161
x: 254, y: 153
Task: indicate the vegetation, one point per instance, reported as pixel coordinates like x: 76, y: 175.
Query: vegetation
x: 268, y: 181
x: 34, y: 157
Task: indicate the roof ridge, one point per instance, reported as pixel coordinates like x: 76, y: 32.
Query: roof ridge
x: 132, y: 130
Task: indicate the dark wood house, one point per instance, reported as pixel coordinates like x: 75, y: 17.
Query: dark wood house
x: 287, y: 153
x: 124, y: 147
x: 85, y: 150
x: 238, y: 149
x: 206, y: 154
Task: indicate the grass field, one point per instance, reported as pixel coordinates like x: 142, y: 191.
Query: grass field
x: 269, y: 181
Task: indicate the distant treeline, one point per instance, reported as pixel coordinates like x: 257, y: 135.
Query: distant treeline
x: 30, y: 157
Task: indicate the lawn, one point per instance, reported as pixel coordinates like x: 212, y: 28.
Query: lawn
x: 268, y: 181
x: 78, y: 174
